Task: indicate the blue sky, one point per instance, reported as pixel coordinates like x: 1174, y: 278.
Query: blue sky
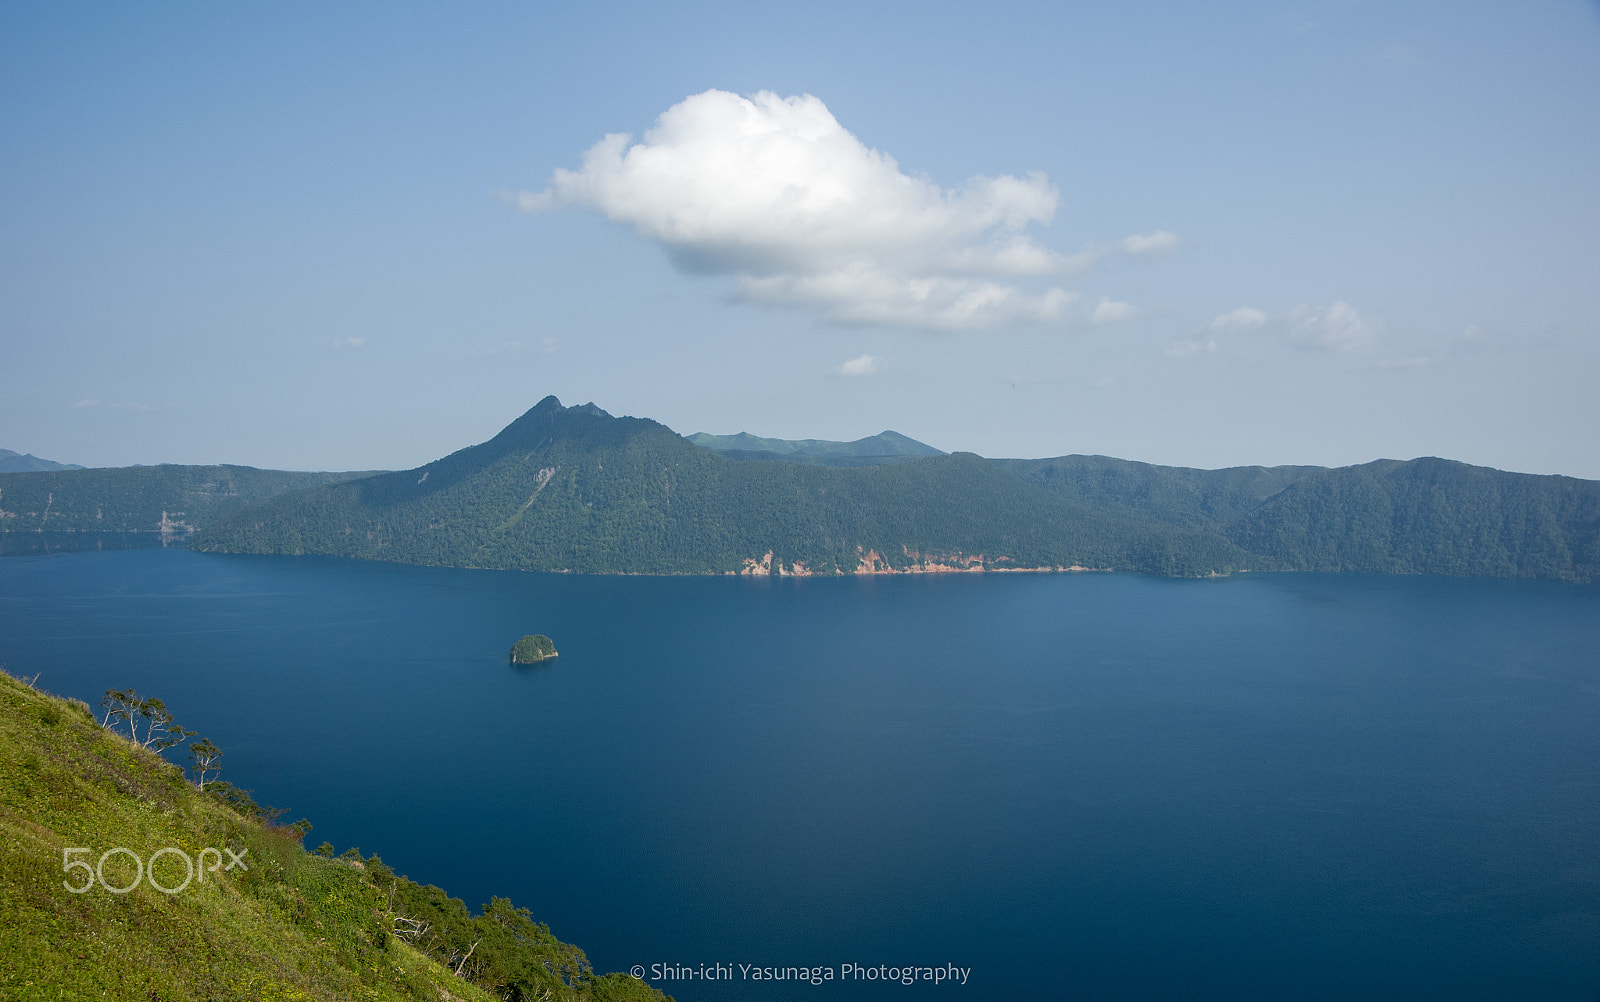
x: 1205, y: 235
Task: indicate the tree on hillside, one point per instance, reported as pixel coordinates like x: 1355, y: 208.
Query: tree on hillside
x: 206, y: 756
x: 119, y: 704
x: 161, y: 731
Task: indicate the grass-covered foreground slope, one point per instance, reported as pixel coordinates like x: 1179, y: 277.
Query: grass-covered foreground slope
x: 141, y: 498
x: 294, y: 925
x: 575, y: 489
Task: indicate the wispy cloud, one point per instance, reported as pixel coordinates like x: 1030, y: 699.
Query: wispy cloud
x: 1242, y: 319
x: 87, y: 402
x: 1159, y: 242
x: 1109, y: 311
x: 861, y: 365
x: 1332, y: 328
x: 1336, y: 327
x: 775, y: 193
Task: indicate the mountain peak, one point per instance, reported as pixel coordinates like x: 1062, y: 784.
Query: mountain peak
x: 27, y: 462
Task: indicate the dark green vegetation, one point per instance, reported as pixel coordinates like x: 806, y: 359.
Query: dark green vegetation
x: 141, y: 498
x: 532, y: 648
x: 575, y: 489
x: 27, y: 462
x: 294, y: 925
x: 1422, y: 516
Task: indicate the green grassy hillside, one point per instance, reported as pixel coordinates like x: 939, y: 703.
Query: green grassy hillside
x: 575, y: 489
x: 294, y: 925
x: 141, y: 498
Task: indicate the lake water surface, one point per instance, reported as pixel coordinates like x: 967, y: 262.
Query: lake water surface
x: 1078, y: 786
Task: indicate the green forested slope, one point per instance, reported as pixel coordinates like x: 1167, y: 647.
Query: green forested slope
x: 576, y: 489
x: 1431, y: 516
x: 1200, y: 499
x: 134, y: 498
x: 1422, y: 516
x: 286, y: 924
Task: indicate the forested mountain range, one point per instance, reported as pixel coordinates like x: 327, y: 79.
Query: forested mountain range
x: 1421, y: 516
x: 575, y: 489
x: 141, y: 498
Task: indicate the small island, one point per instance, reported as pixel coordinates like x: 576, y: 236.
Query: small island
x: 531, y: 649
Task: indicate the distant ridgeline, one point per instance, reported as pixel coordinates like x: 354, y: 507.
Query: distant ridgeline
x: 575, y: 489
x: 141, y: 498
x: 884, y: 447
x: 27, y: 462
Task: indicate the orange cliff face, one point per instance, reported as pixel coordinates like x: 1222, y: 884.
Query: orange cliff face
x: 933, y: 563
x: 758, y: 567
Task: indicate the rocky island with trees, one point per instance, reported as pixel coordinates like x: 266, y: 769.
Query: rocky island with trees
x: 533, y: 648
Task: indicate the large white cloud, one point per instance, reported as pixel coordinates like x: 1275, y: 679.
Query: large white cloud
x: 776, y: 193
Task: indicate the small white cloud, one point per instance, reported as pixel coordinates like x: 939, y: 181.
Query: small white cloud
x: 1242, y: 319
x: 1105, y: 381
x: 548, y: 346
x: 861, y: 365
x: 775, y: 193
x: 1109, y: 311
x: 1183, y: 349
x: 1159, y: 242
x: 1334, y: 328
x: 87, y: 402
x: 355, y: 342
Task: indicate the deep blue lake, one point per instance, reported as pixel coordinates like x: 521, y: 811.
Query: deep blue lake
x: 1084, y: 786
